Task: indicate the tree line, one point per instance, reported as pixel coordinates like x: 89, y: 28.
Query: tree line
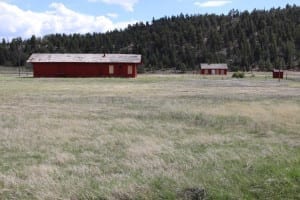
x: 257, y: 40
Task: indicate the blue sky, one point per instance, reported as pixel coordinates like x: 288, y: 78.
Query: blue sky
x: 39, y: 17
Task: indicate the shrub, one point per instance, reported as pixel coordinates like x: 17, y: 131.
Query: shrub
x: 238, y: 75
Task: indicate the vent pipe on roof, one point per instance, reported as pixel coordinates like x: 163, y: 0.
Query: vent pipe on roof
x: 104, y: 55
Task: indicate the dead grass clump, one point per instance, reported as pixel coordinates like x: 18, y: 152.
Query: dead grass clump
x: 62, y: 158
x: 146, y: 147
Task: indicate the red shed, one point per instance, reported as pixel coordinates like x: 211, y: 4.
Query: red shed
x: 278, y: 74
x: 214, y: 69
x: 85, y: 65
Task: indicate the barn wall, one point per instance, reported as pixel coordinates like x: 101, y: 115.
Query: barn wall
x: 217, y: 71
x: 82, y: 70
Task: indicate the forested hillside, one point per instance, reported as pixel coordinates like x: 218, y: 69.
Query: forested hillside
x: 261, y: 39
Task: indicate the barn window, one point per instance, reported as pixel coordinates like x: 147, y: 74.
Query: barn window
x: 111, y: 69
x: 129, y: 69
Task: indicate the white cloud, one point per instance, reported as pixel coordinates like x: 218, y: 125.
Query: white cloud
x: 212, y: 3
x: 126, y: 4
x: 112, y: 15
x: 16, y: 22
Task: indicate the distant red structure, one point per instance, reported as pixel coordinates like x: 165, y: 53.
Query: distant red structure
x: 214, y: 69
x: 85, y: 65
x: 278, y: 74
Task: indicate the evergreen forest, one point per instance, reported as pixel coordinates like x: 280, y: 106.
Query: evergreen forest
x: 256, y: 40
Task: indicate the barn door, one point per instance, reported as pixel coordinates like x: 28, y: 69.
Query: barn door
x: 111, y: 70
x: 129, y: 70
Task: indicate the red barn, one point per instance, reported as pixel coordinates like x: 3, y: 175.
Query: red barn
x: 214, y: 69
x: 278, y: 74
x: 85, y: 65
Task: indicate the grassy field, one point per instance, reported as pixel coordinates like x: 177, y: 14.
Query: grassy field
x: 154, y: 137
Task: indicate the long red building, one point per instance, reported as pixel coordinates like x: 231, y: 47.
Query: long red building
x: 85, y: 65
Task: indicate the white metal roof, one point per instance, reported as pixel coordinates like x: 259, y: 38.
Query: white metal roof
x: 214, y: 66
x: 277, y: 70
x: 84, y: 58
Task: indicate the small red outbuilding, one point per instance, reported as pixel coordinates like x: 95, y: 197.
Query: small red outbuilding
x: 214, y: 69
x: 85, y: 65
x: 278, y: 74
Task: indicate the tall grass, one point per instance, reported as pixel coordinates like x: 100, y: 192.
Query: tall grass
x: 154, y: 137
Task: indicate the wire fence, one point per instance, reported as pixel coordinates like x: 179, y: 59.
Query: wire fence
x: 22, y: 71
x: 26, y: 71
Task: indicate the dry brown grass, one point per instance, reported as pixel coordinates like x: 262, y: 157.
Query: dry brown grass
x: 148, y: 138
